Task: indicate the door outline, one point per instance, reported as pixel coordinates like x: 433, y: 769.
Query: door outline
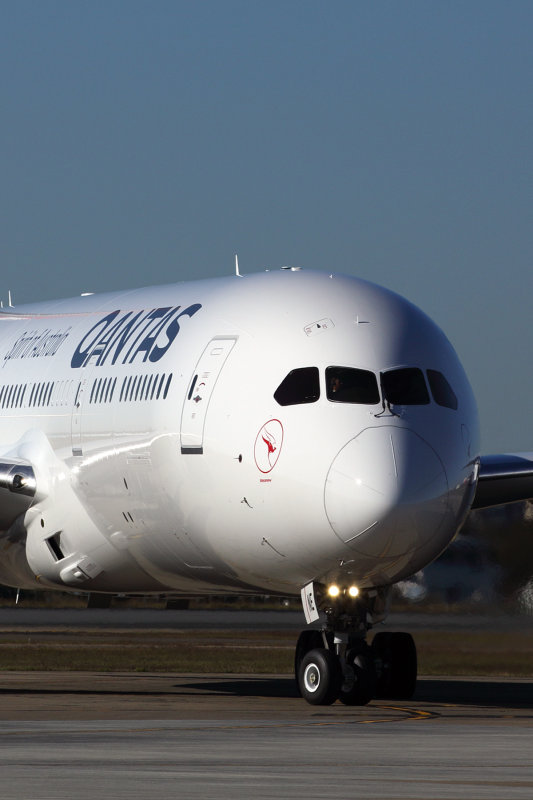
x: 76, y: 432
x: 200, y: 391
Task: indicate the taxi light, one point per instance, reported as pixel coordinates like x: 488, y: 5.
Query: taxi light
x: 333, y: 590
x: 353, y: 591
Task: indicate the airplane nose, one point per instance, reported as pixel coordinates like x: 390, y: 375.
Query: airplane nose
x: 386, y: 492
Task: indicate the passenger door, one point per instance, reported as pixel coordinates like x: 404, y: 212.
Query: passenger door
x: 201, y: 388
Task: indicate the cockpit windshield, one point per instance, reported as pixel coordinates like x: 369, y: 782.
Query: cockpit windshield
x: 405, y: 387
x: 349, y: 385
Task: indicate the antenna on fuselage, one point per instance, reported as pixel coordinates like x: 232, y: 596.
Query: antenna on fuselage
x: 9, y: 299
x: 237, y: 273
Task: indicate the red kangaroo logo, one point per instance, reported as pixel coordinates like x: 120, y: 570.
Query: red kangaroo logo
x: 271, y: 435
x: 269, y: 443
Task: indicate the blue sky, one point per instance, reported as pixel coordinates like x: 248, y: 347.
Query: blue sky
x: 145, y: 142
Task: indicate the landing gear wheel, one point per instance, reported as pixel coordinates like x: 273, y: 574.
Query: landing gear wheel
x: 310, y: 639
x: 319, y: 677
x: 395, y: 655
x: 359, y: 681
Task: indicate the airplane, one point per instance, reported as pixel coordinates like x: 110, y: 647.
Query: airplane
x: 286, y: 432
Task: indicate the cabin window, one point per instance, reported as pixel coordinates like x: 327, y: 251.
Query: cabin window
x: 132, y: 388
x: 441, y: 390
x: 167, y: 386
x: 299, y: 386
x: 148, y: 385
x: 349, y: 385
x: 405, y: 387
x: 41, y: 393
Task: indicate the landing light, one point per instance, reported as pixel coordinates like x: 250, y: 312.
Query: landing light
x: 333, y: 591
x: 353, y: 591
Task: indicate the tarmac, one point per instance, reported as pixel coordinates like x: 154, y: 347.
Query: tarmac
x: 135, y: 736
x: 88, y: 735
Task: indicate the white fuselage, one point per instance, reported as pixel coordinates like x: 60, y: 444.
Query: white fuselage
x: 165, y: 463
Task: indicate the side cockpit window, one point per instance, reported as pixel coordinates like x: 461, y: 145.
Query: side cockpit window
x: 441, y: 390
x: 405, y: 387
x: 299, y: 386
x: 348, y: 385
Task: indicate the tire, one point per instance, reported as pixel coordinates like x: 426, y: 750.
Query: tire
x: 319, y: 677
x: 309, y: 639
x: 359, y: 685
x: 381, y: 645
x: 395, y: 655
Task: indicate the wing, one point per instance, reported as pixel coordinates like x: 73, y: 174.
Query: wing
x: 505, y: 478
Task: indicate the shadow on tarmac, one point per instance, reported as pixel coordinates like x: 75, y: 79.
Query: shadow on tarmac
x: 468, y: 692
x: 515, y: 694
x: 245, y: 687
x: 249, y: 687
x: 472, y: 692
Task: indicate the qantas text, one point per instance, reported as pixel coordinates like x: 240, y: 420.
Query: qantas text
x: 121, y: 338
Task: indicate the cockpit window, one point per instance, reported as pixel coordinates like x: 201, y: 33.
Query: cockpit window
x: 300, y: 386
x: 405, y: 387
x: 441, y: 390
x: 348, y: 385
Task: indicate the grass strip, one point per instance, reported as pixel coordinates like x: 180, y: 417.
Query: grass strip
x: 439, y: 653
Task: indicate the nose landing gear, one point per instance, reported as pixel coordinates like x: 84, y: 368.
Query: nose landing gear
x: 337, y: 663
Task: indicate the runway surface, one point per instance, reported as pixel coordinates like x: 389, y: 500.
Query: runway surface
x: 130, y: 736
x: 140, y: 736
